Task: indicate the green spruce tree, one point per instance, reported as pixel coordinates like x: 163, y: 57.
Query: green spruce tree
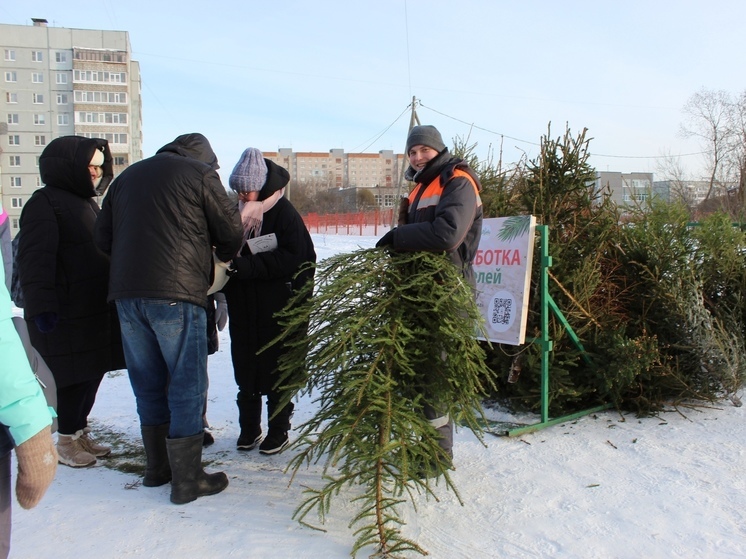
x: 387, y: 333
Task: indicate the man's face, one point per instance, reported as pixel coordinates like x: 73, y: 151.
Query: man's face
x: 420, y: 155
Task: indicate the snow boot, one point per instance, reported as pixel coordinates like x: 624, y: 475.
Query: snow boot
x: 434, y: 467
x: 157, y: 468
x: 189, y: 480
x: 250, y: 421
x: 91, y: 445
x: 71, y: 452
x: 277, y: 437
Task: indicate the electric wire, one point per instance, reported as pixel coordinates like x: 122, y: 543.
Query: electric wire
x: 471, y: 124
x: 378, y: 136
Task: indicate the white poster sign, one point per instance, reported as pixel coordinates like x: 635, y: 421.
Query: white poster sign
x: 502, y: 269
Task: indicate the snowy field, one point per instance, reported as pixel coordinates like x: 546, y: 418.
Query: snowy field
x: 601, y: 487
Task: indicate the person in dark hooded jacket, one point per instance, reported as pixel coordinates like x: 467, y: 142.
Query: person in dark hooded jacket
x: 443, y: 213
x: 265, y: 280
x: 64, y: 280
x: 161, y: 221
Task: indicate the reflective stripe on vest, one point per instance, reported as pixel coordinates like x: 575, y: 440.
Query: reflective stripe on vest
x: 434, y: 190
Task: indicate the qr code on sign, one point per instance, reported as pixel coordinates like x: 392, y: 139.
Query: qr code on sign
x: 501, y: 310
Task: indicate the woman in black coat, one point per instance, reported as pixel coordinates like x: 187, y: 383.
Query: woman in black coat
x: 64, y: 279
x: 264, y: 281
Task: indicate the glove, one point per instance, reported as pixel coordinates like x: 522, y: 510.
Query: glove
x: 46, y: 321
x: 221, y: 311
x: 244, y: 266
x: 387, y: 239
x: 37, y: 463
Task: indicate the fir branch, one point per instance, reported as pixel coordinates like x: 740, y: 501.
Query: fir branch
x: 381, y: 335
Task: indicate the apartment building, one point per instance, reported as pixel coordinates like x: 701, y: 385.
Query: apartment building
x: 628, y: 189
x: 337, y: 170
x: 56, y: 81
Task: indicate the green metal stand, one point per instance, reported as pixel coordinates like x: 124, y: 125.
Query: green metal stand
x: 547, y: 304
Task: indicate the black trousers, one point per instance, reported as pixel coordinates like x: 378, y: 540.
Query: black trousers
x: 74, y: 404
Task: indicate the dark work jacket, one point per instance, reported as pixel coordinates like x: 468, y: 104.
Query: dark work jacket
x: 160, y: 221
x: 449, y: 221
x: 262, y: 286
x: 61, y: 270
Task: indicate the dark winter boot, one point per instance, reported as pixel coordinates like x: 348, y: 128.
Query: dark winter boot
x: 190, y: 481
x: 250, y: 421
x: 157, y: 468
x: 279, y: 424
x: 444, y: 460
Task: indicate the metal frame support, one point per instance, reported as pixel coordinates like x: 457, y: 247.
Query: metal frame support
x: 547, y: 305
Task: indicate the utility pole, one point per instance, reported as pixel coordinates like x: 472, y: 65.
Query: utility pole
x: 412, y: 120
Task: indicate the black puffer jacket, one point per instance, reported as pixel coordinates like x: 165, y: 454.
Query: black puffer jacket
x: 61, y: 270
x: 262, y: 286
x: 160, y: 220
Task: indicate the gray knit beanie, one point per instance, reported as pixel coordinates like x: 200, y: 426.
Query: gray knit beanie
x: 425, y: 135
x: 250, y: 173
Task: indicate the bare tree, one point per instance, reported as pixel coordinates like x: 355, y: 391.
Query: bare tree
x: 670, y: 169
x: 708, y: 114
x: 738, y: 148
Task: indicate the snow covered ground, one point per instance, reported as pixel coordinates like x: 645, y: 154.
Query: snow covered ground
x: 604, y: 486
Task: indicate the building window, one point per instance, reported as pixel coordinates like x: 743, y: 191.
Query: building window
x: 62, y: 98
x: 40, y: 119
x: 10, y: 55
x: 100, y: 118
x: 63, y: 119
x: 60, y: 57
x: 15, y: 182
x: 38, y: 180
x: 11, y: 97
x: 109, y: 137
x: 16, y: 202
x: 110, y: 97
x: 37, y: 77
x: 11, y: 77
x: 61, y: 78
x: 12, y: 118
x: 99, y: 76
x: 14, y: 160
x: 120, y: 160
x: 14, y: 140
x: 15, y: 223
x: 40, y: 140
x: 97, y: 55
x: 38, y: 99
x: 37, y: 56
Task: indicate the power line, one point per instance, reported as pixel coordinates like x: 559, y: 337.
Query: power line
x: 375, y: 139
x: 471, y: 124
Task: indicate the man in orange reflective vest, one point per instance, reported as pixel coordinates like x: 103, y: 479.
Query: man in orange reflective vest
x: 443, y: 213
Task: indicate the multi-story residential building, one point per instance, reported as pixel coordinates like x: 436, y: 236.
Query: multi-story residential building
x: 322, y: 171
x: 628, y: 189
x: 56, y: 82
x: 692, y: 192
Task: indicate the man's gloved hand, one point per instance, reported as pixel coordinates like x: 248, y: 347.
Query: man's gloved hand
x: 37, y: 463
x: 221, y: 311
x: 387, y: 239
x: 46, y: 322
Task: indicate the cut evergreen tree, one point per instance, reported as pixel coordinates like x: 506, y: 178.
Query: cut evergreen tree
x: 387, y: 333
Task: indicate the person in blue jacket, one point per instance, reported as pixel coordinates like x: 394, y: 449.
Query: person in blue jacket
x: 25, y: 418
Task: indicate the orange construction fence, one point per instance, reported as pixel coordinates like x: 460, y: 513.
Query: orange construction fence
x: 374, y: 222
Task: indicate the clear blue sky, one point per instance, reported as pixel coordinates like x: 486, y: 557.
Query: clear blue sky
x: 326, y: 74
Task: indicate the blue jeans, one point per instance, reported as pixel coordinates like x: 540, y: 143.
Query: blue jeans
x: 165, y: 346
